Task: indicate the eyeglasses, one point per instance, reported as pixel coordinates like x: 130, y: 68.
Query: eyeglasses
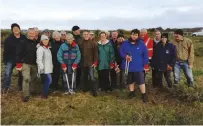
x: 63, y: 34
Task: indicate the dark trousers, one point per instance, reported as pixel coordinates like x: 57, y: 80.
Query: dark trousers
x: 55, y: 76
x: 78, y: 77
x: 154, y: 78
x: 114, y: 78
x: 89, y: 84
x: 159, y: 76
x: 104, y: 82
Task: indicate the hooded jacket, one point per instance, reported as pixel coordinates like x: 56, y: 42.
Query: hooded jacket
x: 138, y: 52
x: 106, y: 55
x: 44, y: 59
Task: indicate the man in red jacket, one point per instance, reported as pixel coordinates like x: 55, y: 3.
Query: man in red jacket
x: 148, y: 42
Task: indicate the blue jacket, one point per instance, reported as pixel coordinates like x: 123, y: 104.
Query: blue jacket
x: 139, y: 54
x: 163, y: 56
x: 68, y: 55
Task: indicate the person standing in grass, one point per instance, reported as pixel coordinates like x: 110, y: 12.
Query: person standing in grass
x: 57, y: 42
x: 9, y: 56
x: 156, y: 40
x: 26, y: 63
x: 185, y: 57
x: 89, y: 62
x: 135, y: 52
x: 163, y: 61
x: 77, y: 39
x: 69, y: 57
x: 45, y: 65
x: 106, y: 58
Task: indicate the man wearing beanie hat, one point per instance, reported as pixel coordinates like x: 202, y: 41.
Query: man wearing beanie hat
x: 26, y: 62
x: 78, y: 39
x: 163, y: 60
x: 185, y: 57
x: 9, y: 56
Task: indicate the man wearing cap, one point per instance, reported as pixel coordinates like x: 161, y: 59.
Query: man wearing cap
x: 78, y: 39
x: 185, y: 57
x: 163, y: 60
x: 9, y: 56
x: 26, y: 62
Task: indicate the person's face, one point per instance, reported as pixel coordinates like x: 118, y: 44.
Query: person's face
x: 163, y: 39
x: 69, y: 40
x: 16, y: 30
x: 31, y: 34
x: 143, y: 33
x: 57, y: 37
x: 77, y: 32
x: 114, y: 35
x: 45, y: 42
x: 36, y: 33
x: 120, y: 39
x: 86, y: 35
x: 91, y: 36
x: 47, y: 34
x: 63, y: 36
x: 157, y: 35
x: 103, y: 36
x: 134, y: 36
x: 178, y: 37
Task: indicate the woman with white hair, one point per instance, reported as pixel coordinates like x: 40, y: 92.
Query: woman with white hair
x: 69, y: 56
x: 57, y: 68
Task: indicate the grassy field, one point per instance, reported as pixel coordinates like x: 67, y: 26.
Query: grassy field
x: 181, y: 105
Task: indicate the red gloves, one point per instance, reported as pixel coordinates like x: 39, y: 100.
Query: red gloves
x: 95, y: 64
x: 19, y: 65
x: 74, y: 66
x: 146, y: 68
x: 111, y: 65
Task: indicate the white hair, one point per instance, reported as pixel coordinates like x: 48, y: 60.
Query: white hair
x: 69, y: 36
x: 143, y: 30
x: 36, y: 29
x: 56, y: 33
x: 63, y: 32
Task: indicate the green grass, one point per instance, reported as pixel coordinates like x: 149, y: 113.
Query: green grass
x: 182, y: 105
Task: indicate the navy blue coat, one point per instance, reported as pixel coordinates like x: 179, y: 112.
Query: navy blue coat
x: 163, y: 56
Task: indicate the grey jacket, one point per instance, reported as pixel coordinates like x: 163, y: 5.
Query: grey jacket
x: 44, y: 60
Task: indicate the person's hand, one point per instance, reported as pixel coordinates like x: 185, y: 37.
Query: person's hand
x: 64, y: 69
x: 95, y: 64
x: 18, y: 69
x: 111, y: 65
x: 146, y: 68
x: 190, y: 66
x: 128, y: 58
x: 169, y: 67
x: 117, y: 69
x: 74, y: 67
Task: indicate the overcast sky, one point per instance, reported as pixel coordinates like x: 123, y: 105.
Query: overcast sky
x: 101, y: 14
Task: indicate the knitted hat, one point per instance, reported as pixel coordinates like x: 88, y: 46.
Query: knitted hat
x: 44, y: 37
x: 74, y: 28
x: 14, y: 25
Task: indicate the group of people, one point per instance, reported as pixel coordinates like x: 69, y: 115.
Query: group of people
x: 75, y: 60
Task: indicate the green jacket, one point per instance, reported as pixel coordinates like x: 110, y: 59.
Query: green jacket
x: 106, y: 55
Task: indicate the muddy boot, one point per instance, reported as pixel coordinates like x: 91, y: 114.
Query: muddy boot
x: 144, y: 98
x: 131, y: 94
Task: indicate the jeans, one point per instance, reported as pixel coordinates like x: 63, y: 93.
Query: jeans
x: 85, y: 72
x: 8, y: 73
x: 46, y: 81
x: 187, y: 72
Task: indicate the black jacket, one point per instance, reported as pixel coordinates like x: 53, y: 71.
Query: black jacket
x: 117, y: 53
x: 54, y: 50
x: 26, y: 52
x: 163, y: 56
x: 10, y: 45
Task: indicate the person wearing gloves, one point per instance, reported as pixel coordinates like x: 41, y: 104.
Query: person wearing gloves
x: 163, y: 60
x: 26, y: 62
x: 106, y: 59
x: 69, y: 56
x: 44, y: 63
x: 135, y: 52
x: 89, y: 62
